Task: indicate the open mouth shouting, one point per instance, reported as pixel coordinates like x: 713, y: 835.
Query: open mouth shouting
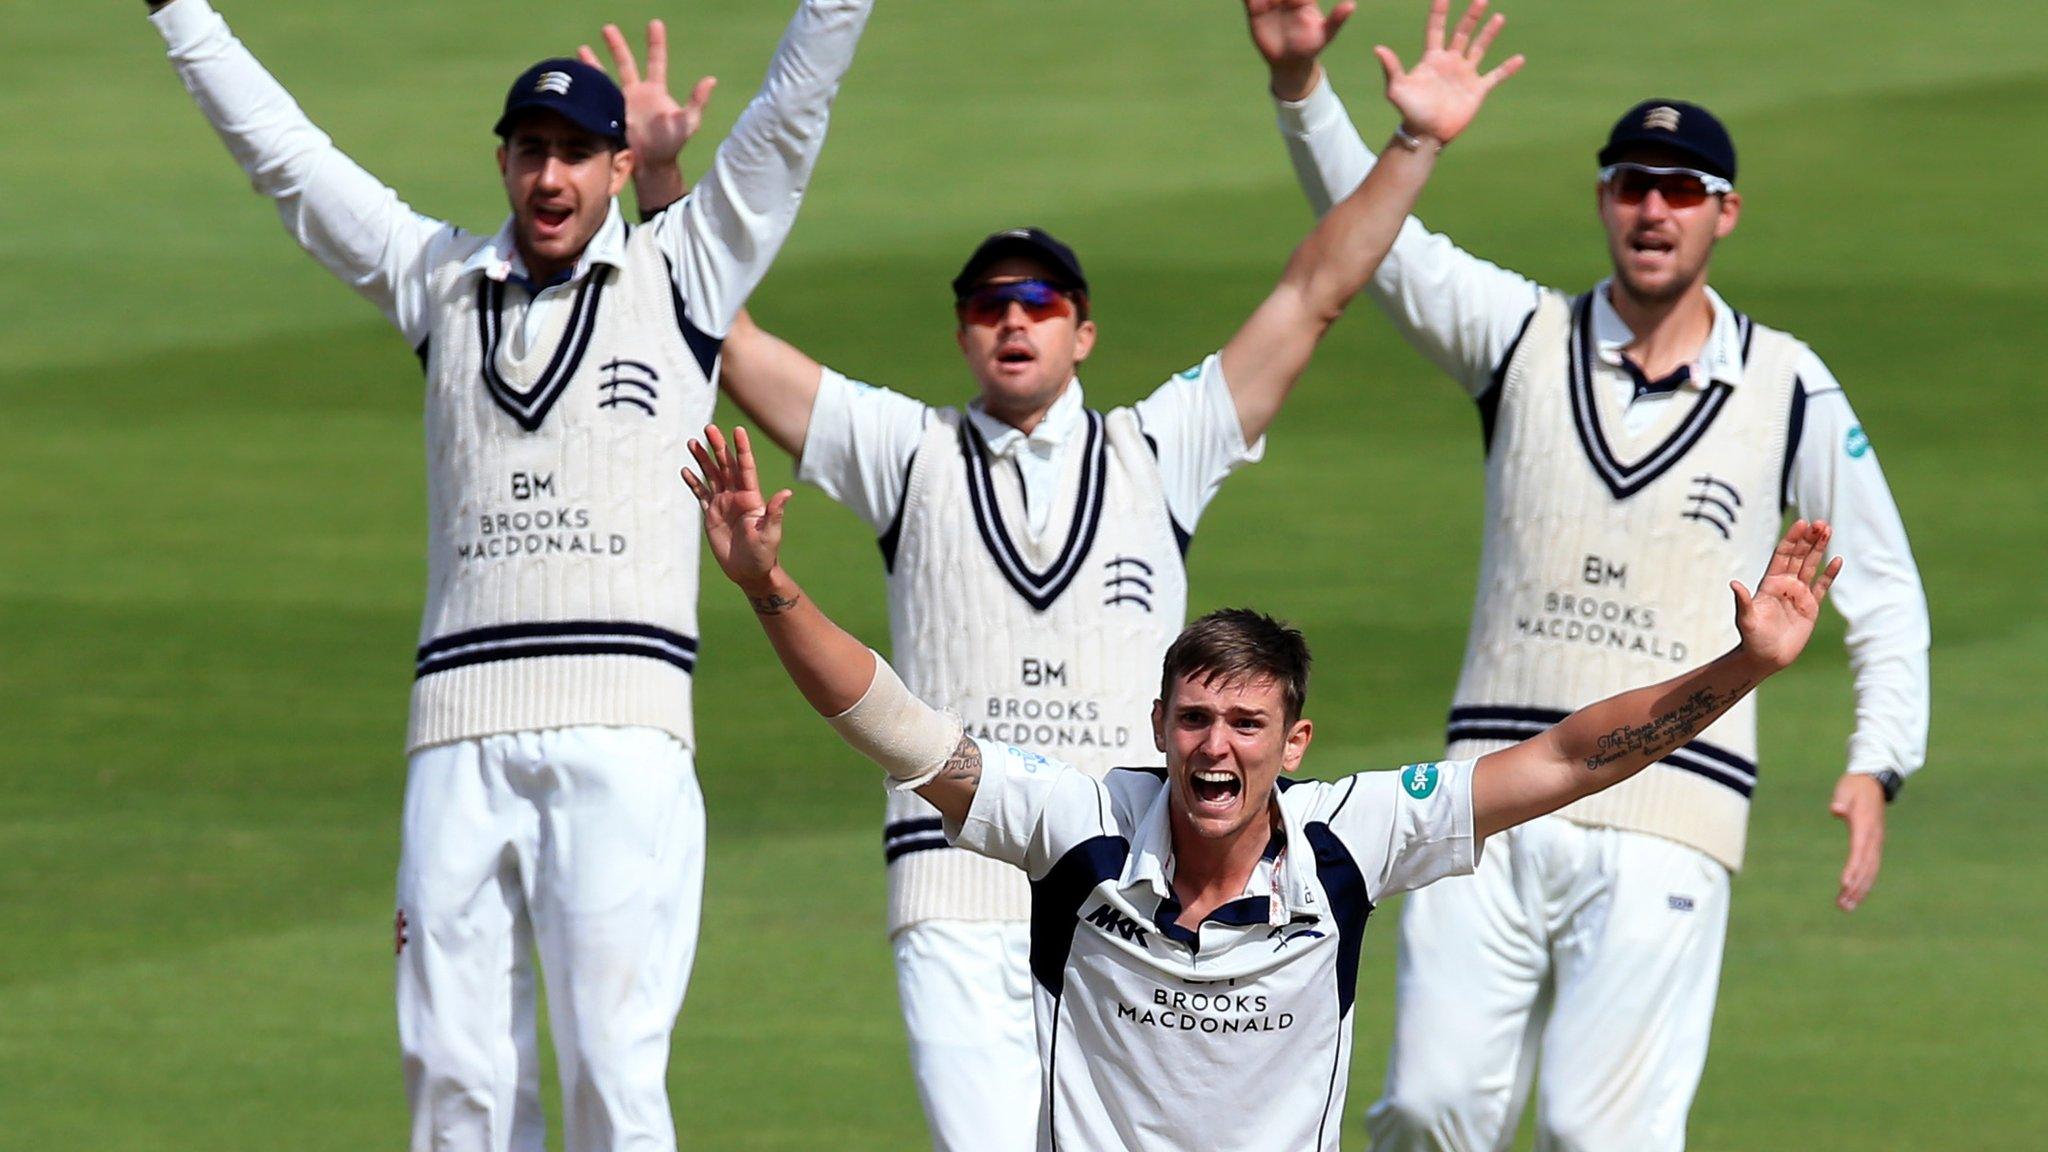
x: 1216, y: 791
x: 550, y: 221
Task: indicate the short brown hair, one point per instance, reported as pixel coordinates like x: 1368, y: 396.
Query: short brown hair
x: 1238, y: 645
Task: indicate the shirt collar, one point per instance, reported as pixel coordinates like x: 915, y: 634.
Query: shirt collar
x: 1720, y: 359
x: 1059, y: 424
x: 1150, y: 863
x: 500, y: 260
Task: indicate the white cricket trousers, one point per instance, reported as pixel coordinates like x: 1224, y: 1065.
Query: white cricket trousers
x: 586, y: 844
x: 966, y: 992
x: 1593, y: 952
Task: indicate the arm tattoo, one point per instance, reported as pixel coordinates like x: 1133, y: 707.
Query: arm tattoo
x: 964, y: 765
x: 1665, y: 731
x: 772, y: 604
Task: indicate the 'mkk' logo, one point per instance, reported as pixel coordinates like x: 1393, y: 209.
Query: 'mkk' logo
x: 1116, y: 923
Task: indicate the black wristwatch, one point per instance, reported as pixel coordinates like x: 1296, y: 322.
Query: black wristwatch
x: 1891, y: 782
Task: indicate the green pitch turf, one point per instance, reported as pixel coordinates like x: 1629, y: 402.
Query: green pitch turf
x: 211, y: 522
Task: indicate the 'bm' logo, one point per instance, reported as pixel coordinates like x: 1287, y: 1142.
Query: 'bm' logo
x: 1116, y: 923
x: 621, y: 375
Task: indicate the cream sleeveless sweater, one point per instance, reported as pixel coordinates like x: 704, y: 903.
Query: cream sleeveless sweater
x: 1052, y: 644
x: 562, y: 569
x: 1607, y: 558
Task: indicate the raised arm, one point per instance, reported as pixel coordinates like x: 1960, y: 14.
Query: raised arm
x: 341, y: 215
x: 856, y: 690
x: 1436, y: 99
x: 657, y: 126
x: 724, y: 234
x: 1459, y: 311
x: 1607, y: 742
x: 770, y: 380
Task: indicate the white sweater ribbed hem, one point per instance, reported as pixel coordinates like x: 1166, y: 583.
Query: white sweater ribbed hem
x: 550, y: 692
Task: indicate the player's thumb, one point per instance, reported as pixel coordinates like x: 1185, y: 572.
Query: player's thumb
x: 1334, y: 22
x: 1389, y: 63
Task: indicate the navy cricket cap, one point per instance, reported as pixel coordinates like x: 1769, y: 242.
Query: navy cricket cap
x: 1034, y: 243
x: 1677, y: 125
x: 571, y: 89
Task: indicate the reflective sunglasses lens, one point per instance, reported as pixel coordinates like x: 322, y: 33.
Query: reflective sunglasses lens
x: 1682, y: 190
x: 1679, y: 189
x: 1040, y: 301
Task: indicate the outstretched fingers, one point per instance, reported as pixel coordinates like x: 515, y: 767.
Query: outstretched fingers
x: 696, y: 486
x: 707, y: 478
x: 750, y: 477
x: 1477, y: 51
x: 1461, y: 36
x: 1827, y: 580
x: 657, y: 52
x: 622, y: 56
x: 1785, y: 558
x: 1508, y: 67
x: 1816, y: 551
x: 700, y: 96
x: 1433, y: 30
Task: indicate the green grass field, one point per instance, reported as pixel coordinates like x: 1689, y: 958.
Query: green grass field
x: 211, y: 522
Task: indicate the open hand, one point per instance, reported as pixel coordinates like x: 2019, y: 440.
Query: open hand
x: 744, y: 531
x: 1776, y: 622
x: 657, y: 127
x: 1439, y: 96
x: 1291, y: 34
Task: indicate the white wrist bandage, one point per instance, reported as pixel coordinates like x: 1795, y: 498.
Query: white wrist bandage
x: 910, y: 739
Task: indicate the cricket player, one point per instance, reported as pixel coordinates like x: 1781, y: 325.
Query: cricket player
x: 551, y: 800
x: 1643, y: 441
x: 1195, y: 929
x: 1034, y: 551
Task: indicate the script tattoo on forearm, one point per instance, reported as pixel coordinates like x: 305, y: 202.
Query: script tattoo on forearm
x: 964, y: 765
x: 1664, y: 732
x: 773, y: 604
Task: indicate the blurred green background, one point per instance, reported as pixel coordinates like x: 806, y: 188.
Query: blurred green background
x: 211, y: 522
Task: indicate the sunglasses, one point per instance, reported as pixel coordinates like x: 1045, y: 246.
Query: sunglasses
x: 1680, y: 187
x: 988, y: 304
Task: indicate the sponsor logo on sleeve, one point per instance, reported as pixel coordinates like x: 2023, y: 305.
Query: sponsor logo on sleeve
x: 1856, y: 444
x: 1419, y: 780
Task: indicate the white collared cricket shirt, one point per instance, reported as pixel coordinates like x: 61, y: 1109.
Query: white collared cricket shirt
x: 1235, y: 1035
